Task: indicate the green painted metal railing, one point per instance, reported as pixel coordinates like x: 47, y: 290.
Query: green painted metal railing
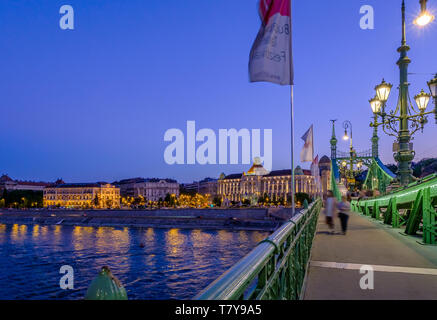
x: 378, y: 176
x: 412, y: 207
x: 275, y: 269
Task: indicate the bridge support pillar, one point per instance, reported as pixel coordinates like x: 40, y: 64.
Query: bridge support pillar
x: 429, y: 218
x: 375, y: 212
x: 366, y: 210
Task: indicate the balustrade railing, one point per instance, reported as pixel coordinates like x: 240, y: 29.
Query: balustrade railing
x: 276, y: 268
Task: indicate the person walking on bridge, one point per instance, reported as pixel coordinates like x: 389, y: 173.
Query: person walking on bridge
x: 330, y: 210
x: 344, y: 209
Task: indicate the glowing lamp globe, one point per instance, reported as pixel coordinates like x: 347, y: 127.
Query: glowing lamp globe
x: 345, y: 137
x: 424, y: 19
x: 433, y: 86
x: 422, y: 100
x: 383, y: 91
x: 375, y: 104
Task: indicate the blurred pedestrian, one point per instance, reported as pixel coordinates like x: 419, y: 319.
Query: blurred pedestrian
x: 330, y: 210
x: 344, y: 209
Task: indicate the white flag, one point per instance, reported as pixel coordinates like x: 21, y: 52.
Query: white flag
x: 271, y: 56
x: 315, y: 171
x: 307, y: 153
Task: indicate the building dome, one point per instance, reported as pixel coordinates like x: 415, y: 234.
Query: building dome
x: 5, y: 178
x: 325, y: 159
x: 298, y: 171
x: 257, y: 169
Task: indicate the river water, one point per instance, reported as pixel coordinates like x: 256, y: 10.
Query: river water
x: 172, y: 264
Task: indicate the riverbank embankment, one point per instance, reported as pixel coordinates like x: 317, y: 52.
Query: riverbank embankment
x: 261, y: 219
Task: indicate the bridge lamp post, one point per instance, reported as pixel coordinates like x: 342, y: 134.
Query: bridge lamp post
x: 350, y: 173
x: 433, y: 88
x: 404, y: 121
x: 376, y: 105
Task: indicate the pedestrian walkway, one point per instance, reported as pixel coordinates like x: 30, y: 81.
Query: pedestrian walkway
x: 403, y: 268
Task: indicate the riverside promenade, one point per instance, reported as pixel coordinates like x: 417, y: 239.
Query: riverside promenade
x: 403, y: 268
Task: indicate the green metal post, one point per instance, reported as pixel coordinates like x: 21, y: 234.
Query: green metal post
x: 404, y: 156
x: 395, y: 222
x: 429, y: 218
x: 376, y: 212
x: 416, y: 215
x: 375, y: 138
x: 366, y: 210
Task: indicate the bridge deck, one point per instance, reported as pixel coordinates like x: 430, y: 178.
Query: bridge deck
x: 369, y: 242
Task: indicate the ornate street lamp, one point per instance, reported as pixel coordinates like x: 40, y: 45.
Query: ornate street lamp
x: 382, y: 93
x: 350, y: 173
x: 425, y: 17
x: 404, y: 121
x: 347, y: 125
x: 432, y: 84
x: 422, y: 100
x: 376, y: 106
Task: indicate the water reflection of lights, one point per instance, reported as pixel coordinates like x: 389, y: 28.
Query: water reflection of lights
x: 224, y: 237
x: 18, y: 232
x: 243, y: 237
x: 172, y: 265
x: 57, y: 234
x: 150, y: 235
x: 174, y: 241
x: 2, y: 233
x: 200, y: 238
x: 110, y: 246
x: 35, y: 231
x: 201, y: 241
x: 257, y: 236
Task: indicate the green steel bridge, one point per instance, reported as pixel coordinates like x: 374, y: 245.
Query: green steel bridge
x: 393, y: 233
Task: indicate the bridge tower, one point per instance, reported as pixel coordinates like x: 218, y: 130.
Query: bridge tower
x: 333, y: 142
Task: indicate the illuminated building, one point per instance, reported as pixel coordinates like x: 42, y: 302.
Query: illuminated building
x: 258, y: 182
x: 325, y: 174
x: 82, y: 195
x: 206, y: 186
x: 150, y: 189
x: 6, y: 183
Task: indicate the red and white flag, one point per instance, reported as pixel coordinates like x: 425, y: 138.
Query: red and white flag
x: 307, y: 153
x: 271, y: 56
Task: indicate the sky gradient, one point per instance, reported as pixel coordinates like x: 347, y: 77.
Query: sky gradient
x: 93, y: 104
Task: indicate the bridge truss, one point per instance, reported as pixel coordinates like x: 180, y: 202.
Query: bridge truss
x: 412, y: 207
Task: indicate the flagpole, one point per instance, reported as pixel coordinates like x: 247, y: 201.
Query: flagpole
x: 292, y: 150
x: 293, y: 210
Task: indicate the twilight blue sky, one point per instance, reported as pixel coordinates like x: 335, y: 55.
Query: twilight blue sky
x: 94, y: 103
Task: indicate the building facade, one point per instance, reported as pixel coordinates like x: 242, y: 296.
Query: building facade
x: 325, y: 174
x: 207, y: 186
x: 150, y: 189
x: 7, y: 183
x: 258, y: 182
x: 82, y: 195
